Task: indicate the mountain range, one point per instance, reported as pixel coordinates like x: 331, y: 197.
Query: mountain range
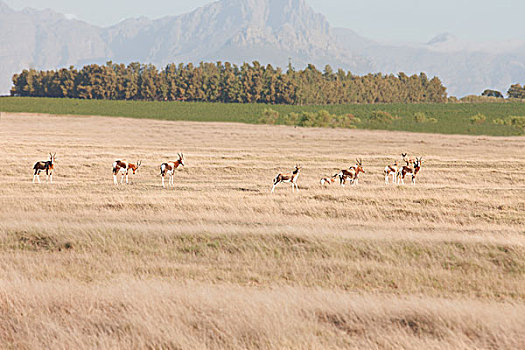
x: 269, y: 31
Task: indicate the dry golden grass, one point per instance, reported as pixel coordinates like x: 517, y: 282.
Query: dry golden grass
x: 219, y: 262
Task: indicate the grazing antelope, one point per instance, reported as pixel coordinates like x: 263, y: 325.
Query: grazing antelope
x: 407, y: 170
x: 123, y: 167
x: 288, y: 178
x: 48, y: 166
x: 352, y: 173
x: 328, y: 180
x: 391, y: 170
x: 169, y: 169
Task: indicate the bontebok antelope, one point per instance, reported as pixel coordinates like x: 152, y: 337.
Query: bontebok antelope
x: 169, y: 169
x: 394, y: 169
x: 123, y: 167
x: 352, y: 173
x: 48, y: 166
x: 391, y: 170
x: 288, y: 178
x: 407, y: 170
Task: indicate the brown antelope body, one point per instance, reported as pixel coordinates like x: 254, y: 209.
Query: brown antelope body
x: 48, y: 166
x: 123, y: 167
x: 288, y: 178
x: 394, y: 169
x: 352, y: 173
x: 408, y: 170
x: 391, y: 170
x: 169, y: 169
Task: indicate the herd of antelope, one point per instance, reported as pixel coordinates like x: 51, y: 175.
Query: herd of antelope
x: 350, y: 175
x: 398, y: 174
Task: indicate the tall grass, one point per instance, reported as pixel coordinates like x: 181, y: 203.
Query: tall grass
x: 219, y: 262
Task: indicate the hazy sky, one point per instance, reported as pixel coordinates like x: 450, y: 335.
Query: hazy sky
x: 383, y: 20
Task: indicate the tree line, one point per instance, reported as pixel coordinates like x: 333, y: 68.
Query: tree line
x: 226, y: 82
x: 516, y: 91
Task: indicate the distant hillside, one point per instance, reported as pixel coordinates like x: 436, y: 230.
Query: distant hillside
x: 269, y: 31
x: 463, y: 67
x: 44, y: 40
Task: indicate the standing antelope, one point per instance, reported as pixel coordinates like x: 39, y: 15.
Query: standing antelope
x: 288, y: 178
x: 169, y: 169
x: 352, y: 173
x: 407, y: 170
x: 394, y: 169
x: 391, y: 170
x: 48, y: 166
x: 123, y: 167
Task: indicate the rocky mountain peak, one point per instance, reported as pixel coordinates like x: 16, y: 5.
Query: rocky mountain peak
x: 441, y: 38
x: 269, y: 31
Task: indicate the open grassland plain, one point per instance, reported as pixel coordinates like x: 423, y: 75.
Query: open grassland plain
x: 445, y: 118
x: 219, y: 262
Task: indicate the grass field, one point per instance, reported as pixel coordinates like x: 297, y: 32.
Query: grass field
x: 451, y: 118
x: 219, y: 262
